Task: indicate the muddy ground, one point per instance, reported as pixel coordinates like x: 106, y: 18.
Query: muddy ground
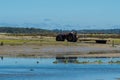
x: 82, y: 50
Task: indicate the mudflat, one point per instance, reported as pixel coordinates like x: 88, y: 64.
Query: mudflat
x: 80, y: 50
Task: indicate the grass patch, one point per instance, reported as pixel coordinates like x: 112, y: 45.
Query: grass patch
x: 116, y: 41
x: 44, y: 41
x: 13, y: 42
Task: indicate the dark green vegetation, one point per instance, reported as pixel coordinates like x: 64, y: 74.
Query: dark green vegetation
x: 25, y: 31
x: 37, y: 30
x: 108, y: 33
x: 38, y: 35
x: 92, y: 31
x: 21, y: 30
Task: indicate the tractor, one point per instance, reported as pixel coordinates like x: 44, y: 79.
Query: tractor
x: 70, y: 37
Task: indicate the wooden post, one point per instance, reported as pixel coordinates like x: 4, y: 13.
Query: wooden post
x: 113, y: 43
x: 1, y: 44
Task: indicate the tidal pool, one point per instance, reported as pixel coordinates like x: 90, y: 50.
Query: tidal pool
x: 44, y: 69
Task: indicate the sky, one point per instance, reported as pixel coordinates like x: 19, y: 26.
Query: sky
x: 63, y: 12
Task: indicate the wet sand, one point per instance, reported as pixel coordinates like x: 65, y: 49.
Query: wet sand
x: 82, y: 50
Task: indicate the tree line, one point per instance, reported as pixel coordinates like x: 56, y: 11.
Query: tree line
x: 16, y: 30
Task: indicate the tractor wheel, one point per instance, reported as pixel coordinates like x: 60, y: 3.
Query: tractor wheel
x: 75, y: 39
x: 71, y: 37
x: 60, y: 37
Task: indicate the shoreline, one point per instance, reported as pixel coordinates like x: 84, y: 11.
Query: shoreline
x: 78, y: 56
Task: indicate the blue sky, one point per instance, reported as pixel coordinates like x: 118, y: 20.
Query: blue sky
x: 72, y: 12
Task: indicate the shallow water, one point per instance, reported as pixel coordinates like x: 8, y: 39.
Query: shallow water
x: 44, y: 69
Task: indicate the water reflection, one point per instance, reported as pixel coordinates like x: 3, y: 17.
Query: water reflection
x: 77, y: 60
x: 1, y: 57
x: 44, y: 69
x: 62, y: 59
